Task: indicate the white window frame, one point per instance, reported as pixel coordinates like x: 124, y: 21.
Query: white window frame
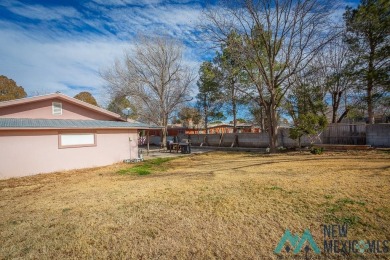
x: 56, y: 105
x: 73, y: 143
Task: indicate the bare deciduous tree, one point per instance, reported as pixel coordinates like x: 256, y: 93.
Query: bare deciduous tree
x: 154, y: 79
x: 334, y: 68
x: 279, y: 39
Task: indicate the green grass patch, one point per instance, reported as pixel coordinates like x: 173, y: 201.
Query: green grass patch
x: 66, y: 210
x: 345, y: 219
x: 343, y: 211
x: 123, y: 171
x: 349, y: 201
x: 334, y: 208
x: 350, y: 220
x: 275, y: 188
x: 141, y: 169
x: 147, y: 167
x: 328, y: 197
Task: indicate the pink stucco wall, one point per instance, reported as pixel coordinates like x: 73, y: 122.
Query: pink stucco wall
x: 43, y: 109
x: 17, y: 148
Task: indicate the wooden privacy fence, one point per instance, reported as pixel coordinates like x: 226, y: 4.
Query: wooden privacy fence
x: 349, y: 134
x: 250, y: 140
x: 377, y: 135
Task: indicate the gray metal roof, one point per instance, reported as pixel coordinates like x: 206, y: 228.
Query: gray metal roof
x: 67, y: 123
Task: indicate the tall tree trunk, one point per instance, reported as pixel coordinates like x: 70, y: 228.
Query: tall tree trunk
x: 262, y: 120
x: 370, y: 85
x: 234, y: 108
x: 206, y: 119
x: 273, y: 127
x: 343, y: 115
x: 336, y: 98
x: 299, y: 143
x: 165, y: 131
x: 370, y: 111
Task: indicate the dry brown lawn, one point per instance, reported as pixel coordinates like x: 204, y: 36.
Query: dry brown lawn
x: 210, y: 206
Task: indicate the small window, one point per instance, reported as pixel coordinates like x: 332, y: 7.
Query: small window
x: 76, y: 140
x: 57, y: 108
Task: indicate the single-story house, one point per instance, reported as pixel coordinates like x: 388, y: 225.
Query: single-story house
x: 224, y: 128
x: 173, y: 130
x: 55, y: 132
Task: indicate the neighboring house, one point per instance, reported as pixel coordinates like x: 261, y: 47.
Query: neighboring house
x: 173, y: 130
x: 55, y: 132
x: 156, y: 132
x: 223, y: 128
x: 229, y: 128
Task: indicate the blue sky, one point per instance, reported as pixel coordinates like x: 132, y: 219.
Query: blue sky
x: 53, y: 45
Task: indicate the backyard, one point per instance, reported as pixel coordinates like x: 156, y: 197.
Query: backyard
x: 216, y: 205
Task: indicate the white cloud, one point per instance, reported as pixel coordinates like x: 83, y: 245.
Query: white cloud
x: 126, y: 2
x: 174, y: 20
x: 43, y: 58
x: 41, y: 12
x: 46, y: 66
x: 63, y: 53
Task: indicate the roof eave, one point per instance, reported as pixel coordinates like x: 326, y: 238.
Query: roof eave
x: 68, y: 128
x: 63, y: 97
x: 76, y: 128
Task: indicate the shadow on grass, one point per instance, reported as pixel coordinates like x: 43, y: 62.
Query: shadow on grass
x: 158, y: 165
